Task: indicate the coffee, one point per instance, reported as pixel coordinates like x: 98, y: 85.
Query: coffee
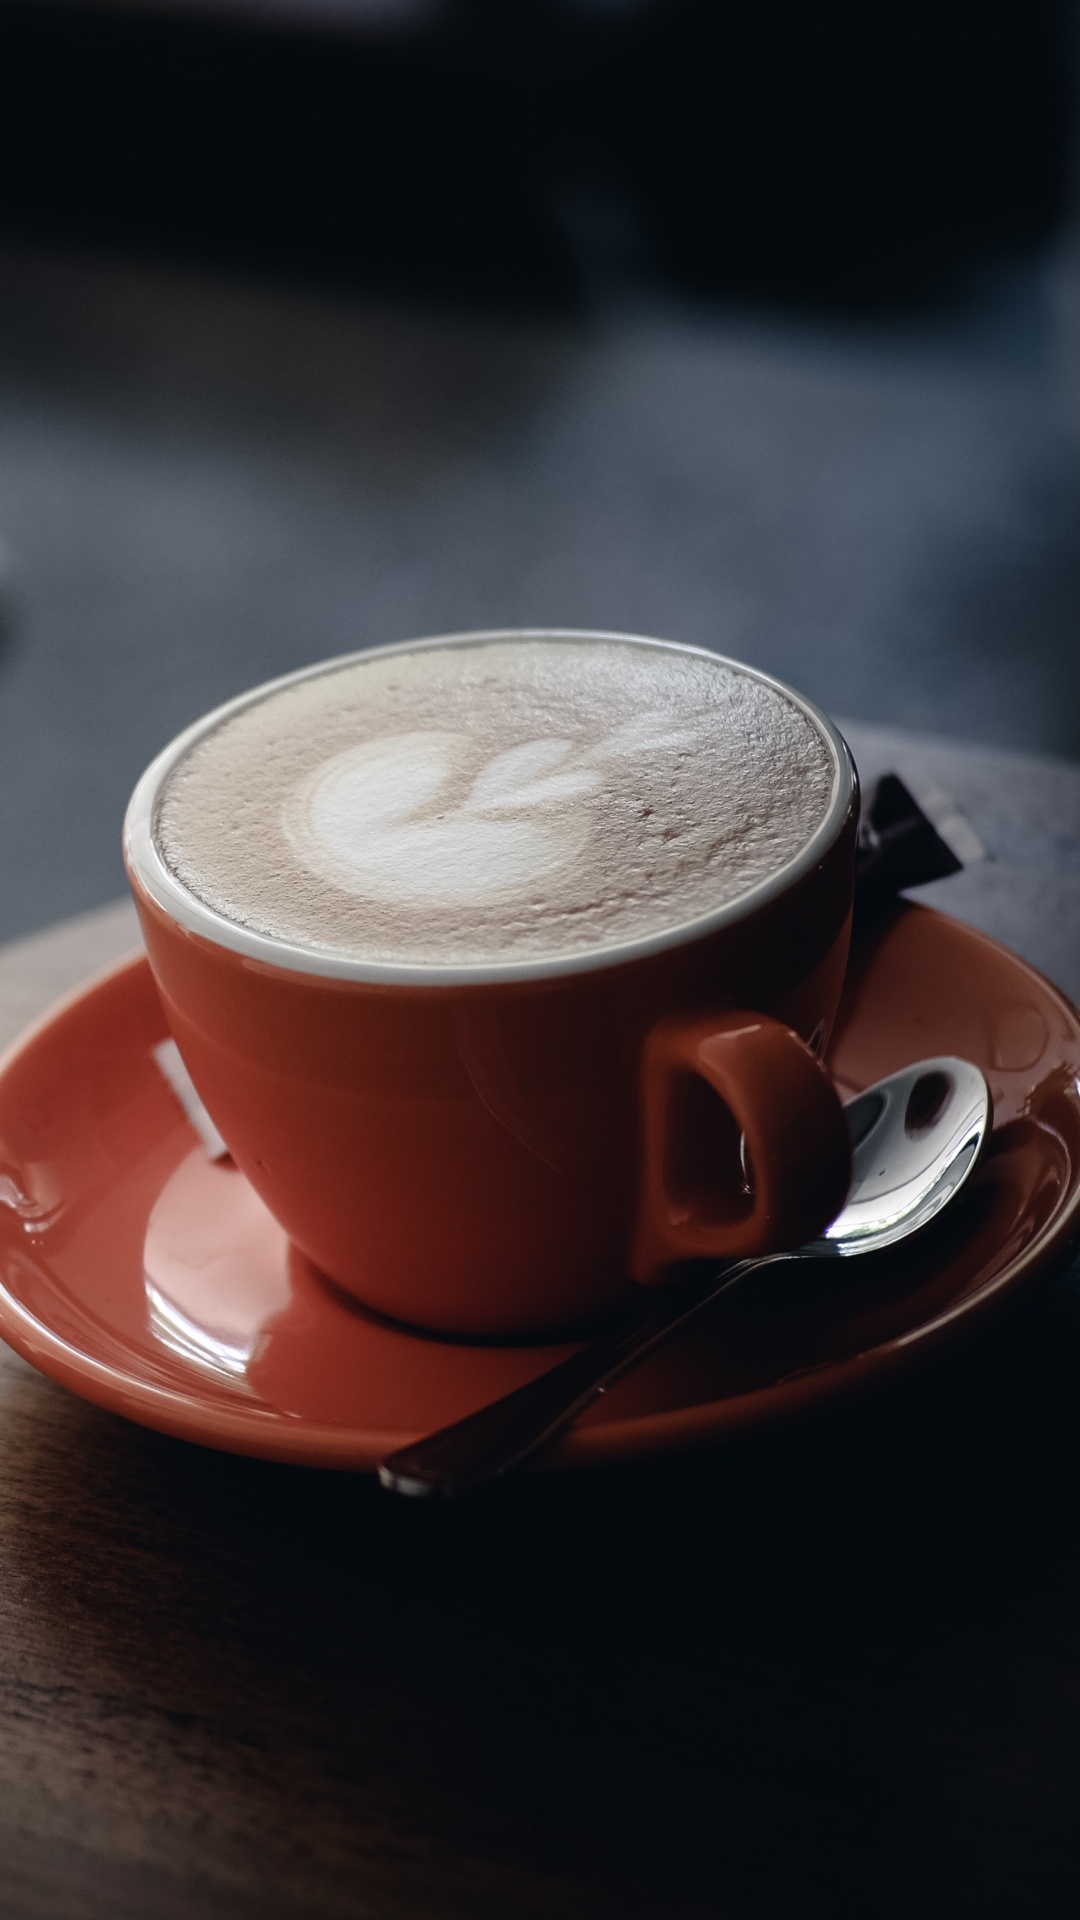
x: 383, y: 901
x: 498, y: 800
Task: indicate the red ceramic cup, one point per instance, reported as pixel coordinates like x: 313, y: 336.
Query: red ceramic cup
x: 502, y: 1149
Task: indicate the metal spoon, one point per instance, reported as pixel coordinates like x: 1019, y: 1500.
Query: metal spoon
x: 915, y: 1139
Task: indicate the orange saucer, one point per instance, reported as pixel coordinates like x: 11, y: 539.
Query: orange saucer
x: 152, y: 1281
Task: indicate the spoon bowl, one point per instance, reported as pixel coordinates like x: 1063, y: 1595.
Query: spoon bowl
x: 915, y: 1139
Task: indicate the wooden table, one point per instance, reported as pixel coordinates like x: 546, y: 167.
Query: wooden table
x: 831, y: 1669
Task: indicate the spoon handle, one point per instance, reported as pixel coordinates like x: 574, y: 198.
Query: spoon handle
x: 506, y: 1432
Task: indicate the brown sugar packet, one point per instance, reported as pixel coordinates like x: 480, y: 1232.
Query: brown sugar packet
x: 903, y: 843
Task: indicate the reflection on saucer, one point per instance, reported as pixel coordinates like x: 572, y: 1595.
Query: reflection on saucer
x: 215, y: 1268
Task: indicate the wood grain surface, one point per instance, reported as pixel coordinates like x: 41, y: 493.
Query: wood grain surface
x: 834, y: 1669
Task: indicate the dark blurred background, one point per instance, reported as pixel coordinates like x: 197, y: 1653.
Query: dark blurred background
x: 331, y: 322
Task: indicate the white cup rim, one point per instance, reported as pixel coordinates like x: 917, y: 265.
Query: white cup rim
x: 178, y: 903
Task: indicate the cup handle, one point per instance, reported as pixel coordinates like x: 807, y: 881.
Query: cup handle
x: 746, y: 1149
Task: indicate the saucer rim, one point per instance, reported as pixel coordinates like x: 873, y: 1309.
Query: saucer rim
x: 264, y: 1433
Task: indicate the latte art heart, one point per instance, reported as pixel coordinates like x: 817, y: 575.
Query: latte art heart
x: 379, y: 819
x: 397, y: 819
x: 502, y: 799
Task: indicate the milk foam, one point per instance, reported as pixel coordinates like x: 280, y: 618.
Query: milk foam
x: 501, y: 800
